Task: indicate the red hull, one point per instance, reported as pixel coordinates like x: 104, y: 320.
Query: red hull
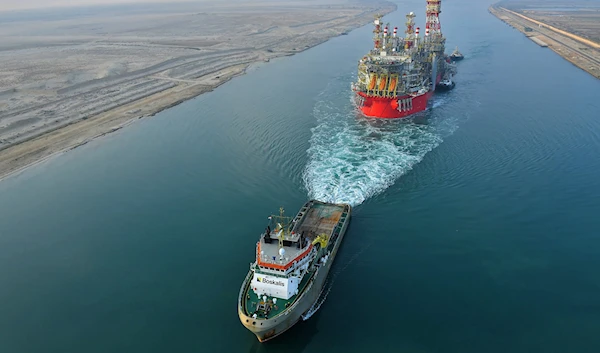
x: 392, y: 108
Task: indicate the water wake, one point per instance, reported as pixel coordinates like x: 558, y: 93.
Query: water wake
x: 352, y: 158
x: 322, y: 296
x: 328, y: 285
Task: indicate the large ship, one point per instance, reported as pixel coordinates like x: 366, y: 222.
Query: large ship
x: 293, y: 258
x: 398, y: 76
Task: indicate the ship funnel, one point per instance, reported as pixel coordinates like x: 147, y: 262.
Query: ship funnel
x: 426, y: 32
x: 417, y: 31
x: 395, y: 31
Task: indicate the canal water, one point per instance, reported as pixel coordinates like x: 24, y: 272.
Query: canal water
x: 475, y: 225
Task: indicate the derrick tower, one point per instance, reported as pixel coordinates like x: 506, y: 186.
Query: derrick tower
x: 432, y: 21
x: 433, y: 28
x: 377, y: 33
x: 411, y: 33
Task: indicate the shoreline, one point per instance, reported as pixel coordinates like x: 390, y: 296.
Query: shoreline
x: 579, y: 51
x: 78, y: 140
x: 36, y: 149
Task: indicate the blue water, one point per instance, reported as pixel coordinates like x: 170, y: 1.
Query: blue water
x: 475, y: 226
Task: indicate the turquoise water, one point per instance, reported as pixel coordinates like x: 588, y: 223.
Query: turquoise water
x: 475, y: 226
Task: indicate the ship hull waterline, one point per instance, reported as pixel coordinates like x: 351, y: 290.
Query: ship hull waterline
x: 387, y: 107
x: 266, y: 330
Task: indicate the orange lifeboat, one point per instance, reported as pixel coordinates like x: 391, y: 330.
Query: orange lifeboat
x: 373, y: 81
x: 393, y: 82
x: 383, y: 82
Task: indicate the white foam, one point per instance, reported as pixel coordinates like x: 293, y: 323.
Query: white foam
x: 352, y: 158
x: 321, y: 299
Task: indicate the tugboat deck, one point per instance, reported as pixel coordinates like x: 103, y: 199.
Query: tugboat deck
x: 318, y: 219
x: 256, y: 305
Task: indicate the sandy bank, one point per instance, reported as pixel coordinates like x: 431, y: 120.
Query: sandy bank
x: 86, y: 77
x: 582, y: 52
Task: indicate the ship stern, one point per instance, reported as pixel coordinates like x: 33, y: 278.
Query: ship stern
x: 391, y: 108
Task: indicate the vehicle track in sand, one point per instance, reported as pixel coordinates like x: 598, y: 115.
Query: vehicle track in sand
x: 65, y: 83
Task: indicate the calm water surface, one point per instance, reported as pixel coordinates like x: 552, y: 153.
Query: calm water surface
x: 476, y: 224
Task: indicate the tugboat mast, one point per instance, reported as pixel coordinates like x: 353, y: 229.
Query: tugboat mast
x: 281, y: 232
x: 282, y: 223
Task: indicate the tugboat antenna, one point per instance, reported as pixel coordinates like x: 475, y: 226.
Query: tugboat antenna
x: 282, y: 231
x: 282, y: 224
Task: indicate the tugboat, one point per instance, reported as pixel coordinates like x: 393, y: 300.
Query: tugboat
x: 456, y: 55
x: 446, y: 84
x: 293, y: 258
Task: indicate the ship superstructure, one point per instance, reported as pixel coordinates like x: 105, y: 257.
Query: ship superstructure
x: 293, y: 258
x: 397, y: 77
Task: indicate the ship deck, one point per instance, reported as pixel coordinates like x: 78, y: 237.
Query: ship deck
x: 319, y: 219
x: 316, y: 219
x: 270, y: 253
x: 252, y: 301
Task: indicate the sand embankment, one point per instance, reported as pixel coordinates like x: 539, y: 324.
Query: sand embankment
x: 68, y: 80
x: 582, y: 52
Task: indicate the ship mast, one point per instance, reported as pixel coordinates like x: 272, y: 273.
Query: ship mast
x: 385, y: 38
x: 433, y: 28
x: 282, y: 231
x: 281, y: 223
x: 432, y: 22
x: 410, y: 30
x: 377, y: 32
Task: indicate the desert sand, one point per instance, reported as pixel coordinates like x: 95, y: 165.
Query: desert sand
x: 571, y: 29
x: 73, y: 75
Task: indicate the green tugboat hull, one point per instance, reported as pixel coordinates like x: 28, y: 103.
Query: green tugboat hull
x: 310, y: 289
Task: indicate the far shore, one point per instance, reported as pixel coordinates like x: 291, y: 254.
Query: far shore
x: 548, y: 28
x: 52, y: 110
